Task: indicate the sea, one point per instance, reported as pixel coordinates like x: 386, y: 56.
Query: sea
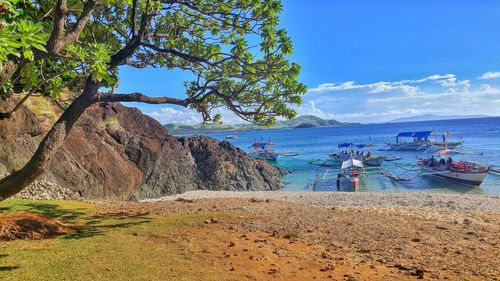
x: 481, y: 137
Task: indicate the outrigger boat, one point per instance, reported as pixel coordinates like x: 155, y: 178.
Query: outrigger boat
x: 367, y: 158
x: 420, y: 141
x: 351, y: 172
x: 441, y: 165
x: 260, y: 151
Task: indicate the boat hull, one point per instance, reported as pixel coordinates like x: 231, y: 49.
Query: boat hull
x: 448, y: 144
x: 265, y: 156
x: 408, y: 146
x: 374, y: 162
x: 474, y: 179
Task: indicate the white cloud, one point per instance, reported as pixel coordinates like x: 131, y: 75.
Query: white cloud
x: 434, y: 94
x: 405, y: 86
x: 490, y: 75
x: 377, y: 101
x: 167, y: 115
x: 170, y: 115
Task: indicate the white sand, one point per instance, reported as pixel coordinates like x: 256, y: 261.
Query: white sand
x: 409, y: 199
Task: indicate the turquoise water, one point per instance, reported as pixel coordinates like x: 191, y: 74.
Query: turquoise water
x: 480, y: 135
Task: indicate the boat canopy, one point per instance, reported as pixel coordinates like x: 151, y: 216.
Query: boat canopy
x: 422, y: 134
x: 352, y: 163
x: 405, y: 134
x: 261, y: 145
x: 349, y: 144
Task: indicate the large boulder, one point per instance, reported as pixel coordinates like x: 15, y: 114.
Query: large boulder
x: 116, y: 152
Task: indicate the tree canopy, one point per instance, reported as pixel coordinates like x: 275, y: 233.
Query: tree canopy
x: 234, y: 49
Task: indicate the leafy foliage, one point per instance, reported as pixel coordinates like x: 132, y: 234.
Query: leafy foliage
x: 234, y: 50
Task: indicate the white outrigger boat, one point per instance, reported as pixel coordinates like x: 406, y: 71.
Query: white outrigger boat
x: 351, y: 172
x: 367, y: 158
x: 437, y: 165
x: 420, y: 141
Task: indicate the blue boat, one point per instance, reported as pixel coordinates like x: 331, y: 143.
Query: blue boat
x: 420, y: 141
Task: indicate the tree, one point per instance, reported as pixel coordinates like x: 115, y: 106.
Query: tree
x: 234, y: 49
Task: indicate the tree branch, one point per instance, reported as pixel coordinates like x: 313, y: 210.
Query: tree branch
x: 84, y: 17
x: 138, y: 97
x: 7, y: 115
x: 58, y: 29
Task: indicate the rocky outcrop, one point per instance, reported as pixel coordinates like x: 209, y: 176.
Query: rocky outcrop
x: 116, y: 152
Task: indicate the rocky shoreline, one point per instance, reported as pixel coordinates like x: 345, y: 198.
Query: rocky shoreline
x: 115, y: 152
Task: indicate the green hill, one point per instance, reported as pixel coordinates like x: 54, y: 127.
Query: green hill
x: 304, y: 121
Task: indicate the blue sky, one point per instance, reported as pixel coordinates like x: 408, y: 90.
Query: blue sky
x: 373, y: 61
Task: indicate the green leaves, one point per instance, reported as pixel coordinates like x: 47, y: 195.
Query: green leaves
x: 233, y: 48
x: 21, y: 39
x: 31, y: 37
x: 100, y: 56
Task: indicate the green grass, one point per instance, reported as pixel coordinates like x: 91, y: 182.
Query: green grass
x: 110, y: 121
x: 109, y: 247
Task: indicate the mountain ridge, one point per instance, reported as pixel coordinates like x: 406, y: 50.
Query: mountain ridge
x: 303, y: 121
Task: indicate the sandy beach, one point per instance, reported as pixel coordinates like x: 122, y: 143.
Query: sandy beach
x: 207, y: 235
x: 339, y: 236
x: 358, y: 199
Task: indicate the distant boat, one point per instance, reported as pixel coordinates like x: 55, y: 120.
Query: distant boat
x: 354, y: 151
x: 231, y: 137
x: 465, y: 172
x: 261, y: 151
x: 420, y: 141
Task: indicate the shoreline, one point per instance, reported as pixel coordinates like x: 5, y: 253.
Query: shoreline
x: 458, y: 202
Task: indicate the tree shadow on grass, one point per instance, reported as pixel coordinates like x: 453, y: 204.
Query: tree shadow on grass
x: 100, y: 224
x: 7, y: 267
x: 86, y: 225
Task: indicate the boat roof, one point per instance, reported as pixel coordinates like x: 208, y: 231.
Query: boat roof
x: 349, y: 144
x: 261, y: 145
x: 352, y: 163
x: 420, y: 134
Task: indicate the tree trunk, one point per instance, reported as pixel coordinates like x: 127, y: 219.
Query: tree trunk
x: 40, y: 160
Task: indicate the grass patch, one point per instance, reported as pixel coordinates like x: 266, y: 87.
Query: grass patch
x: 111, y: 121
x: 43, y: 106
x: 108, y: 247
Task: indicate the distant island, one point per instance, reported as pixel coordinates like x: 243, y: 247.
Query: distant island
x: 432, y: 117
x: 304, y: 121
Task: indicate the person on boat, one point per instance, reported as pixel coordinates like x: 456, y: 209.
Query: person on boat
x: 449, y: 161
x: 444, y: 138
x: 432, y: 161
x: 368, y: 154
x: 442, y: 162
